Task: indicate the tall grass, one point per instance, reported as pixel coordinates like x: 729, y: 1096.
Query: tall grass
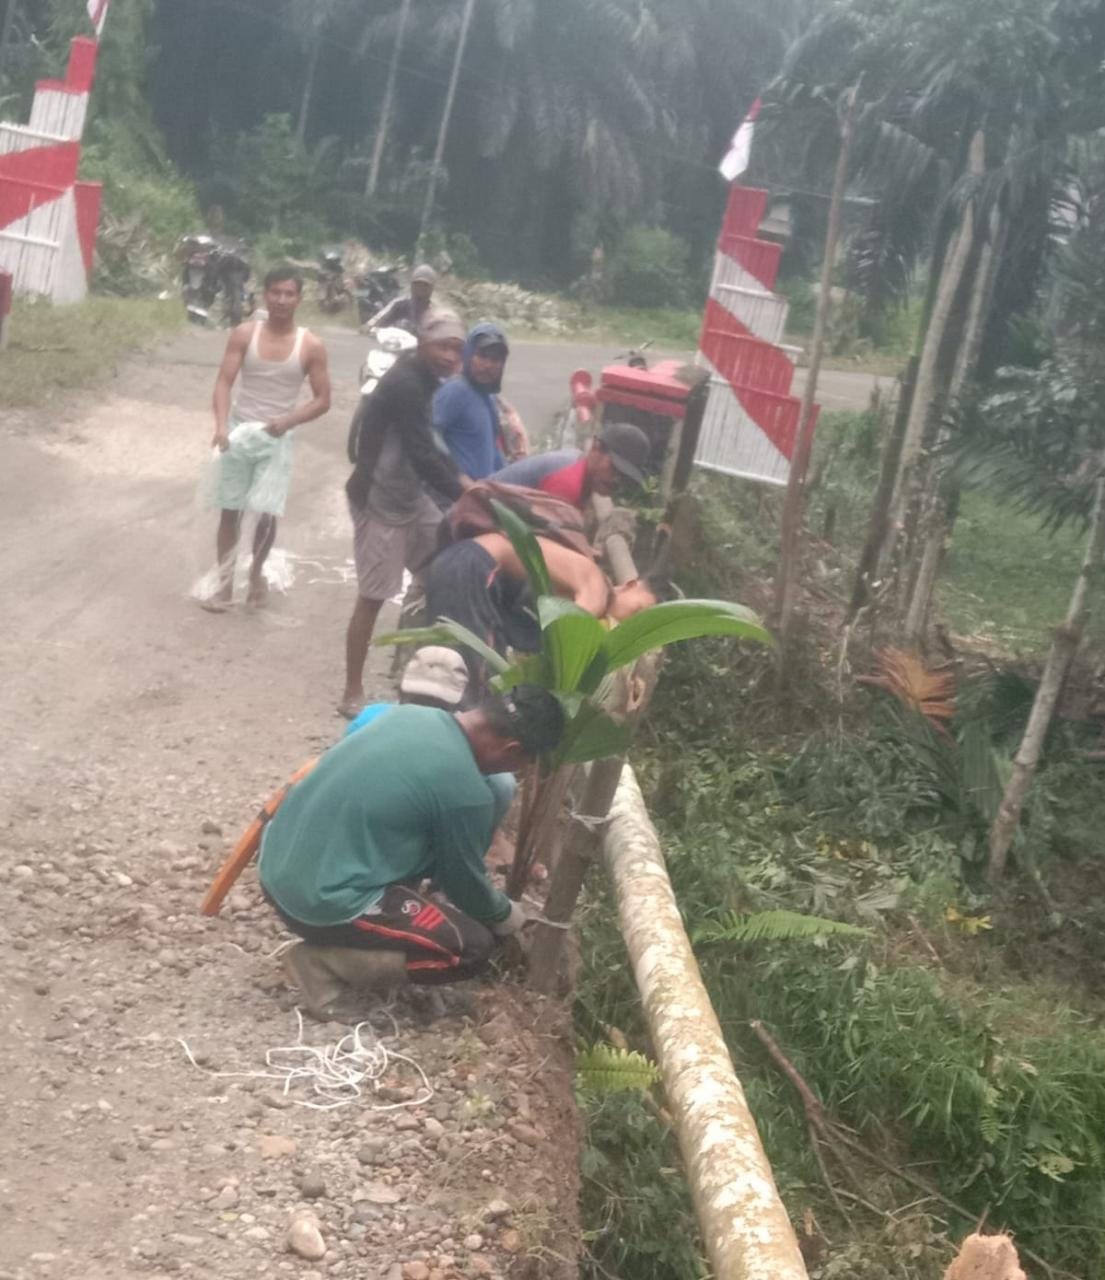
x: 55, y: 349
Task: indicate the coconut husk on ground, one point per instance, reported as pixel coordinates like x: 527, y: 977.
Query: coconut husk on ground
x: 986, y: 1258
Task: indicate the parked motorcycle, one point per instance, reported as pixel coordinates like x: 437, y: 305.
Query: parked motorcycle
x: 213, y: 268
x: 374, y: 289
x: 333, y: 292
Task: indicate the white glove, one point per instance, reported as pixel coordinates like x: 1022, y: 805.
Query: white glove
x: 513, y: 922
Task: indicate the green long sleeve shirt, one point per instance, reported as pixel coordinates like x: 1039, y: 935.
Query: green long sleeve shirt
x: 399, y: 800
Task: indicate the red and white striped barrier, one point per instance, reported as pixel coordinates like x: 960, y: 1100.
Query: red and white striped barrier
x: 48, y: 219
x: 751, y: 418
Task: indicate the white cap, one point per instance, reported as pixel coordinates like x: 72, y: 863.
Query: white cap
x: 436, y: 672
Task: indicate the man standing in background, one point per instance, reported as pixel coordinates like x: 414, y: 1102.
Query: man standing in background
x: 395, y: 520
x: 270, y: 359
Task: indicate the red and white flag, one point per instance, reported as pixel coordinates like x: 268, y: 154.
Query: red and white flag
x: 740, y: 149
x: 97, y: 12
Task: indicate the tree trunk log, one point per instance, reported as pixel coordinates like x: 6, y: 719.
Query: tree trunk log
x: 1064, y: 646
x: 884, y: 495
x: 745, y: 1228
x: 938, y: 534
x: 308, y: 88
x: 951, y: 274
x: 446, y: 116
x: 389, y: 99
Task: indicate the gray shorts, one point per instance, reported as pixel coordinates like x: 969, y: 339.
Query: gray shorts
x: 382, y: 551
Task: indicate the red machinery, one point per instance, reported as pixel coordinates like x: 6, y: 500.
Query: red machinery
x: 654, y: 399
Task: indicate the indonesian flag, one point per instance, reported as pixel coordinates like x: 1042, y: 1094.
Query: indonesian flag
x: 740, y: 149
x: 97, y: 12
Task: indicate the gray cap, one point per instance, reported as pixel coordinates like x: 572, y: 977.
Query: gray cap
x: 628, y: 447
x: 440, y: 325
x: 424, y: 273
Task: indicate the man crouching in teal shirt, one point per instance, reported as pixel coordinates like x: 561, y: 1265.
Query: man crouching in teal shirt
x: 401, y: 801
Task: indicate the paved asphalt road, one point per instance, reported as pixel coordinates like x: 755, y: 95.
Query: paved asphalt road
x: 537, y: 375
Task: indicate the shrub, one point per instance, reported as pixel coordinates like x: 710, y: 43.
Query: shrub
x: 650, y: 269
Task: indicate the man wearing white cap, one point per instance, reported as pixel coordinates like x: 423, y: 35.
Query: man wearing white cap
x: 395, y: 520
x: 408, y: 310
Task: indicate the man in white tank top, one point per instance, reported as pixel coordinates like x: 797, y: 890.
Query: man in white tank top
x: 270, y: 359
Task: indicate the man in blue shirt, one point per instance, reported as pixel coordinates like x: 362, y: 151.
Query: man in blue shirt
x: 466, y: 408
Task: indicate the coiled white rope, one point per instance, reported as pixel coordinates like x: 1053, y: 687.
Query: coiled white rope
x: 337, y: 1073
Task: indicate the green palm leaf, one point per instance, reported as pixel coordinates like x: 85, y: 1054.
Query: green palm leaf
x: 526, y: 548
x: 573, y: 639
x: 676, y: 620
x: 591, y: 734
x: 446, y: 632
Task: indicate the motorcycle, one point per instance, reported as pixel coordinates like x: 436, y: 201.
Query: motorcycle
x: 197, y: 252
x: 211, y: 268
x: 390, y: 344
x: 333, y: 292
x: 374, y: 289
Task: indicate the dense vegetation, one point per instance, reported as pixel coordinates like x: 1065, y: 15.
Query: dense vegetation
x: 574, y: 120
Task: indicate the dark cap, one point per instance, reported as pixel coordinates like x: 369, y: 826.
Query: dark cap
x: 488, y: 341
x: 629, y: 448
x: 536, y: 718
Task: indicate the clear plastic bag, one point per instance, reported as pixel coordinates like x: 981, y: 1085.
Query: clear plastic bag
x: 254, y: 474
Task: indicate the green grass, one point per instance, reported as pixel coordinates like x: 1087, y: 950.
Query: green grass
x: 1007, y: 582
x: 55, y: 349
x: 665, y: 327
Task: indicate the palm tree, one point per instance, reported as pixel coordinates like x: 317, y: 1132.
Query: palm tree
x: 969, y: 112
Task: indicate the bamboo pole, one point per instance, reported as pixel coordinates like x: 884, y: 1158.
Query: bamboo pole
x: 745, y: 1228
x: 786, y: 577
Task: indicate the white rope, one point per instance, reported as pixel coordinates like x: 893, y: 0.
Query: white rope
x: 588, y: 821
x: 337, y: 1073
x: 534, y: 915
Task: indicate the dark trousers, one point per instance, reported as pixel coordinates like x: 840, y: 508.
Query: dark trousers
x: 440, y: 942
x: 464, y: 583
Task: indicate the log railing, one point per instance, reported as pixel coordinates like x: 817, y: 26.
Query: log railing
x: 746, y: 1231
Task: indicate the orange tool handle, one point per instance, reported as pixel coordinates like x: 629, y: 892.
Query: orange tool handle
x: 245, y: 850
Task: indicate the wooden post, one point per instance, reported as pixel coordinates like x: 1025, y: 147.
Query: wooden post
x: 389, y: 98
x: 745, y: 1228
x: 446, y: 115
x: 571, y: 870
x: 790, y: 553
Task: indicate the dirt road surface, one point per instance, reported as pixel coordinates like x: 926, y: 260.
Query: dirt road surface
x: 140, y: 734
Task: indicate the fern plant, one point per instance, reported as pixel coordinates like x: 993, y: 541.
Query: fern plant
x: 601, y: 1068
x: 773, y: 926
